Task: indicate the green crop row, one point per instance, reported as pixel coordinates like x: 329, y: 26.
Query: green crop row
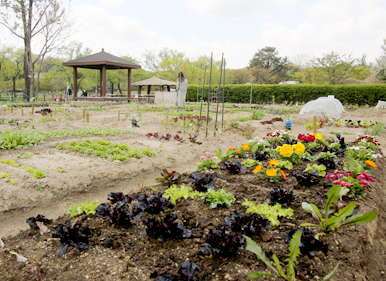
x: 107, y: 149
x: 360, y: 94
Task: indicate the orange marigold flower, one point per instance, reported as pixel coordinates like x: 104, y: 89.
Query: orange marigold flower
x: 246, y: 147
x: 273, y: 162
x: 238, y: 152
x: 283, y: 174
x: 231, y: 148
x: 258, y: 169
x: 271, y: 172
x: 371, y: 163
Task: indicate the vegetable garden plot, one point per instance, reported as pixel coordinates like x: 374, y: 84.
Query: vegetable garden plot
x: 120, y: 251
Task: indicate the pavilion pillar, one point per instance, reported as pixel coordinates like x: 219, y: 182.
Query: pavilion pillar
x: 129, y: 85
x: 103, y: 79
x: 148, y: 89
x: 100, y: 82
x: 75, y: 90
x: 139, y: 90
x: 168, y: 87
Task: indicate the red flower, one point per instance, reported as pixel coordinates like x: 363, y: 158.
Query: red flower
x: 302, y: 138
x: 310, y: 138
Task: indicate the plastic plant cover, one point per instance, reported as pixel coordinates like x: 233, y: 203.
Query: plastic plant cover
x: 328, y: 106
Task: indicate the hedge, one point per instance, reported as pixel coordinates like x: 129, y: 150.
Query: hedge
x: 360, y: 94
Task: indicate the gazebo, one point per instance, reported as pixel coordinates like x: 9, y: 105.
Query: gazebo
x: 102, y: 61
x: 154, y: 81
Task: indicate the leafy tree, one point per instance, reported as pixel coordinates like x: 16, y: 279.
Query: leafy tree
x: 12, y: 64
x: 45, y: 20
x: 380, y: 67
x: 332, y: 68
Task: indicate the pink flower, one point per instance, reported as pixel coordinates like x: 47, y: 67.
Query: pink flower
x: 346, y: 184
x: 340, y: 176
x: 371, y: 179
x: 366, y: 175
x: 330, y: 176
x: 361, y: 177
x: 336, y: 172
x: 364, y: 182
x: 336, y: 182
x: 366, y: 190
x: 349, y: 173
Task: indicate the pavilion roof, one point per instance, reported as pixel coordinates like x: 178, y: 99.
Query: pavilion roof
x: 96, y: 61
x: 154, y: 81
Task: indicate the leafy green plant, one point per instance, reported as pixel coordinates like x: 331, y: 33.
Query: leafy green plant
x: 218, y: 153
x: 221, y: 197
x: 257, y: 114
x: 207, y: 164
x: 37, y: 174
x: 285, y: 164
x: 250, y: 163
x: 24, y: 155
x: 310, y: 126
x: 88, y: 208
x: 46, y: 119
x: 61, y: 170
x: 342, y: 217
x: 173, y: 193
x: 320, y: 168
x: 294, y: 252
x: 376, y: 130
x: 13, y: 181
x: 5, y: 176
x: 40, y: 187
x: 269, y: 212
x: 9, y: 162
x: 234, y: 124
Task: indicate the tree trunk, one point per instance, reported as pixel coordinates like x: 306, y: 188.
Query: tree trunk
x: 119, y: 88
x: 14, y: 84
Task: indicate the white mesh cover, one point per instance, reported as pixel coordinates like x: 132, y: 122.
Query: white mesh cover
x: 381, y: 104
x: 328, y: 106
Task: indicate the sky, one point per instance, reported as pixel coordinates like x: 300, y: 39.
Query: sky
x: 237, y: 28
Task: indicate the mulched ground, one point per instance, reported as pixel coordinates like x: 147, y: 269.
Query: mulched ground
x: 117, y: 253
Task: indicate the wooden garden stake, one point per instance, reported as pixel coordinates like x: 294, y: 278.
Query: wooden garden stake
x: 55, y: 111
x: 315, y: 124
x: 228, y: 118
x: 1, y: 111
x: 50, y: 114
x: 87, y: 118
x: 119, y: 115
x: 11, y: 108
x: 84, y: 113
x: 167, y: 115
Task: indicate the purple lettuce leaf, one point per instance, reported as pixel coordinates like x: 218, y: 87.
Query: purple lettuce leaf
x: 202, y: 183
x: 248, y: 224
x: 32, y: 221
x: 71, y: 236
x: 281, y: 196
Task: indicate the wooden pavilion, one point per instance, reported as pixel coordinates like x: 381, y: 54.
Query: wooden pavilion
x: 102, y: 61
x: 154, y: 81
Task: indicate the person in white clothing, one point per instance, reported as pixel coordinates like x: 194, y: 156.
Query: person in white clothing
x: 182, y: 87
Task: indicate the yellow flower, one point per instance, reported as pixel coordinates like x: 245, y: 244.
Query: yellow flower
x: 273, y: 162
x: 278, y: 148
x: 246, y: 147
x: 258, y: 169
x: 299, y: 148
x: 319, y: 136
x: 286, y: 150
x: 371, y: 163
x: 271, y: 172
x: 311, y: 133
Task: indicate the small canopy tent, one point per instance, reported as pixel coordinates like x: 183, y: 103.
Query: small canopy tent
x: 102, y: 61
x: 154, y: 81
x: 328, y: 106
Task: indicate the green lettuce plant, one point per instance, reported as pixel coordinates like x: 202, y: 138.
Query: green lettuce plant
x: 269, y: 212
x: 320, y: 168
x: 220, y: 197
x: 88, y: 208
x: 250, y: 163
x: 329, y: 222
x: 173, y: 193
x: 207, y: 164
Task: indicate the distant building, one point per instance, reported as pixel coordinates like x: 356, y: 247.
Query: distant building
x: 289, y: 82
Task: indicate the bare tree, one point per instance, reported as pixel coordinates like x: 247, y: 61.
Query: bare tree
x: 45, y: 21
x: 302, y: 61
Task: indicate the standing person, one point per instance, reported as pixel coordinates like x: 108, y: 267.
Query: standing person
x: 80, y: 93
x: 182, y: 87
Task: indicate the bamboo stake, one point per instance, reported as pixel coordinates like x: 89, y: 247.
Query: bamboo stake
x: 223, y: 94
x: 11, y: 108
x: 218, y: 95
x: 84, y: 113
x: 119, y: 115
x: 315, y: 124
x: 55, y: 111
x: 50, y: 114
x: 22, y: 112
x: 167, y: 115
x: 87, y: 118
x: 202, y: 100
x: 228, y: 118
x: 210, y: 81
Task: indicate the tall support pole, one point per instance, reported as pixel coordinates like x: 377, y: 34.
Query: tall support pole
x: 75, y: 93
x: 218, y: 95
x: 103, y: 78
x: 223, y: 93
x: 202, y: 99
x: 129, y: 85
x: 100, y: 82
x: 250, y: 100
x: 210, y: 81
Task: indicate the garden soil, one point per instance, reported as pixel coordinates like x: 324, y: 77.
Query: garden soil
x: 125, y: 254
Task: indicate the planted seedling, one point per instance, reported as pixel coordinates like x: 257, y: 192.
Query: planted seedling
x: 233, y: 168
x: 248, y: 224
x: 282, y: 196
x: 202, y: 183
x: 168, y: 178
x: 71, y: 236
x: 40, y: 187
x: 343, y: 217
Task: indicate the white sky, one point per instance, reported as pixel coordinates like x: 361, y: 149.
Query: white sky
x: 236, y: 27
